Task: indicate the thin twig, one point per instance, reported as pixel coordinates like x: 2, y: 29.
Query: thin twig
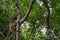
x: 48, y: 11
x: 28, y: 11
x: 2, y: 35
x: 17, y: 8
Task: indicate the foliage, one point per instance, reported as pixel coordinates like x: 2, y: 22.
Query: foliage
x: 36, y: 19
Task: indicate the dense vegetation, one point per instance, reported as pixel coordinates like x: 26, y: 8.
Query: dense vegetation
x: 34, y: 28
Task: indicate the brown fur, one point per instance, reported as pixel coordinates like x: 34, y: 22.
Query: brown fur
x: 12, y: 25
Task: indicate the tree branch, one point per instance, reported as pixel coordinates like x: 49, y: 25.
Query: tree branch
x: 28, y: 12
x: 17, y: 8
x: 48, y: 11
x: 23, y: 19
x: 2, y: 35
x: 18, y: 18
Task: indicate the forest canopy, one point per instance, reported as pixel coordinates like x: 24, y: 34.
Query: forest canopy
x: 30, y: 19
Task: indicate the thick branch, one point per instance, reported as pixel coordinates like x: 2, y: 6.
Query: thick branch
x: 18, y: 18
x: 48, y: 11
x: 28, y: 12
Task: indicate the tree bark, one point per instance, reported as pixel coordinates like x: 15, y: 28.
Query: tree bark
x: 23, y: 19
x: 18, y: 18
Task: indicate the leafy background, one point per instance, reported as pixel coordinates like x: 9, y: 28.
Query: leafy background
x: 31, y: 28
